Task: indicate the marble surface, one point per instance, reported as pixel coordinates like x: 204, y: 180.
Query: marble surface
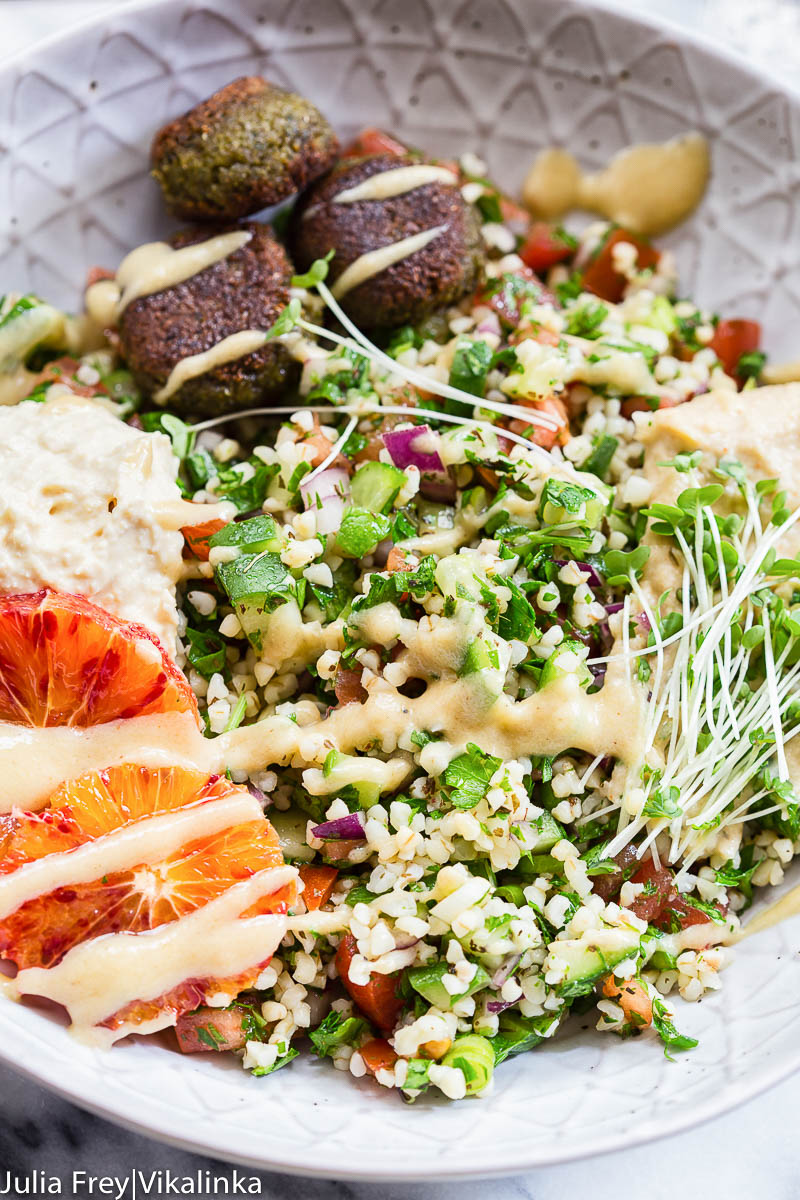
x: 750, y: 1151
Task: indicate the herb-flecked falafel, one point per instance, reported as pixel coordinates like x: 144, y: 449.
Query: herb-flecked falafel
x: 249, y: 145
x: 440, y: 273
x: 246, y: 290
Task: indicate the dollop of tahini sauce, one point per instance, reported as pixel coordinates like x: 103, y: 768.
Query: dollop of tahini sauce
x: 154, y: 267
x: 647, y: 188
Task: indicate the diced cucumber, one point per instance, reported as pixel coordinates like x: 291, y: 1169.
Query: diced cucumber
x: 662, y: 960
x: 481, y: 656
x: 339, y: 769
x: 256, y: 585
x: 360, y: 532
x: 26, y: 325
x: 471, y: 363
x: 599, y: 460
x: 549, y: 832
x: 250, y: 537
x: 566, y: 503
x: 456, y: 574
x: 553, y: 668
x: 662, y: 316
x: 290, y: 826
x: 517, y: 1034
x: 427, y: 981
x: 586, y: 965
x: 375, y: 486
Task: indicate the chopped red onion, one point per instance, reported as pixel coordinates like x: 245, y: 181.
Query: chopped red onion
x: 260, y: 796
x: 489, y: 324
x: 502, y: 973
x: 614, y: 608
x: 349, y: 828
x: 643, y: 621
x: 402, y: 942
x: 438, y: 487
x: 498, y: 1006
x: 595, y: 579
x: 414, y: 447
x: 326, y: 494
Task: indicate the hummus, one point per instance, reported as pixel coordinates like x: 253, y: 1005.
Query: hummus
x: 87, y: 506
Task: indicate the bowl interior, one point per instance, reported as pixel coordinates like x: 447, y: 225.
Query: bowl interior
x: 503, y: 78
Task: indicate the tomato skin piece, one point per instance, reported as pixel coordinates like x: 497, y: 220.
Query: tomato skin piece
x: 732, y: 339
x: 543, y: 248
x: 197, y: 536
x: 318, y: 882
x: 374, y: 141
x: 600, y: 276
x: 378, y: 1055
x: 227, y: 1031
x: 644, y: 404
x: 378, y: 999
x: 659, y: 883
x: 347, y: 686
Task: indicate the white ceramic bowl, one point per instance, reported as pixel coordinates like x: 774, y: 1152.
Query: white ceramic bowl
x: 503, y: 77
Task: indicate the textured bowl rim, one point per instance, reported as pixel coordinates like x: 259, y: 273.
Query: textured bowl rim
x: 121, y: 1112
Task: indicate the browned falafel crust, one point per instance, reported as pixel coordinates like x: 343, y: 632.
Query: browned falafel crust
x: 249, y: 145
x: 441, y: 273
x: 246, y: 290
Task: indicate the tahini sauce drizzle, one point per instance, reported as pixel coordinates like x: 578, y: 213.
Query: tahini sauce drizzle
x: 647, y: 188
x: 154, y: 267
x: 396, y: 182
x: 33, y: 762
x: 777, y: 373
x: 99, y: 977
x: 375, y: 261
x: 781, y: 910
x: 236, y: 345
x: 150, y: 839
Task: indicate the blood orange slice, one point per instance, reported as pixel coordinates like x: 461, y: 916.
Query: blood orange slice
x: 64, y: 661
x: 43, y: 930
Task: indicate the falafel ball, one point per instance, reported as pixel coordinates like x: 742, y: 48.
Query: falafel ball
x: 406, y: 292
x: 249, y: 145
x: 246, y: 290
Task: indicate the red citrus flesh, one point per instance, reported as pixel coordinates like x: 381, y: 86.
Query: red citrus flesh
x: 65, y: 661
x: 42, y: 931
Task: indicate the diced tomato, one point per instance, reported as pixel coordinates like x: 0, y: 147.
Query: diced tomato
x: 378, y: 1055
x: 374, y: 141
x: 659, y: 891
x: 210, y: 1029
x: 544, y: 435
x: 347, y: 686
x: 397, y: 561
x: 734, y: 338
x: 196, y: 536
x: 646, y: 404
x: 544, y: 246
x: 632, y: 999
x: 95, y: 274
x: 662, y: 902
x: 687, y: 914
x: 506, y: 296
x: 601, y: 277
x: 62, y: 370
x: 378, y: 999
x: 318, y: 884
x: 511, y: 212
x: 338, y: 851
x: 608, y: 886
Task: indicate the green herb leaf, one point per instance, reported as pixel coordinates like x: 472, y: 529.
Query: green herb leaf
x: 316, y: 273
x: 468, y: 776
x: 336, y: 1030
